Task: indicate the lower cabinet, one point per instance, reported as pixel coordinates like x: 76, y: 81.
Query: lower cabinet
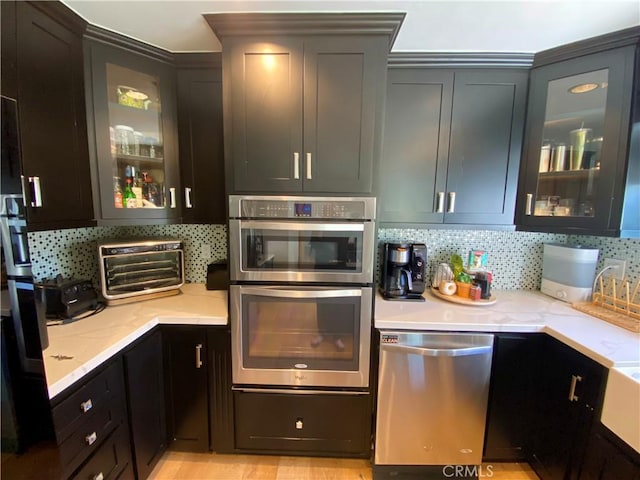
x: 568, y: 395
x: 323, y: 424
x: 608, y: 458
x: 111, y: 461
x: 144, y: 374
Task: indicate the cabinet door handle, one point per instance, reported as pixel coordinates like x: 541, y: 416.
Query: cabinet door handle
x: 308, y: 172
x: 199, y: 355
x: 91, y: 438
x: 99, y: 476
x: 529, y: 204
x: 187, y: 197
x: 172, y: 197
x: 572, y: 390
x: 296, y: 165
x: 440, y: 203
x: 34, y: 182
x: 86, y: 406
x: 451, y: 207
x: 299, y: 424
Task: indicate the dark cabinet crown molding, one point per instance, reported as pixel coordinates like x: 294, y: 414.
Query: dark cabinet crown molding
x: 460, y: 59
x: 122, y: 41
x: 198, y: 60
x: 243, y: 24
x: 620, y: 38
x: 62, y: 14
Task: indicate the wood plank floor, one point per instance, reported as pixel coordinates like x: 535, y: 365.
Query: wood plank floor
x: 210, y: 466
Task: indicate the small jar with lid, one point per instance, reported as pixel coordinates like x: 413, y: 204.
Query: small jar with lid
x: 124, y: 139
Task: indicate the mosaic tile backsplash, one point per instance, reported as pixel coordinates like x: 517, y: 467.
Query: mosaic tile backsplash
x: 514, y: 257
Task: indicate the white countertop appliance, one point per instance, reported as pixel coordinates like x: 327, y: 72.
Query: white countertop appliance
x: 568, y: 271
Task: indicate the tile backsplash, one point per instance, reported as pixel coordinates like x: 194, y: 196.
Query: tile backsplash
x: 514, y: 257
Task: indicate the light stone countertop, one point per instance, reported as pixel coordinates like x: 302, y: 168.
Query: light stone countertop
x: 516, y: 311
x: 91, y: 341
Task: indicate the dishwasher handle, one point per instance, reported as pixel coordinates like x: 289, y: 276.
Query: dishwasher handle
x: 439, y: 352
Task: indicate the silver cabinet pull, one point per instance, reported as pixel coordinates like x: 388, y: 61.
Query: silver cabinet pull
x: 572, y: 390
x: 172, y: 197
x: 199, y: 355
x: 451, y: 207
x: 187, y: 197
x: 308, y: 166
x: 529, y: 204
x: 91, y: 438
x: 296, y: 165
x: 86, y: 406
x: 99, y: 476
x: 440, y: 203
x: 37, y: 193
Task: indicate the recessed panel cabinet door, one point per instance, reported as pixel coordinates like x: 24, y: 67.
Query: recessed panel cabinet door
x: 266, y: 99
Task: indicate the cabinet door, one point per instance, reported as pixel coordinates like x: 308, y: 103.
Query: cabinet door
x: 134, y: 120
x: 266, y: 115
x: 201, y: 141
x: 341, y: 105
x: 608, y: 458
x: 415, y: 145
x: 53, y: 124
x: 484, y: 148
x: 145, y: 395
x: 186, y: 357
x: 575, y: 153
x: 220, y: 382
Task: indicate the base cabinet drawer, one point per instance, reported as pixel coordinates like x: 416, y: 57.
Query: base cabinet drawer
x: 111, y: 461
x: 289, y: 423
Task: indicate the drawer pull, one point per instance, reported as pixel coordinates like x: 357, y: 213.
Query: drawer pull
x: 86, y: 406
x: 91, y: 438
x: 572, y: 389
x: 99, y: 476
x: 299, y: 424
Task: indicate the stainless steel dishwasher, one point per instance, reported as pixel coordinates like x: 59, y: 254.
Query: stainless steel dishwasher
x: 432, y: 404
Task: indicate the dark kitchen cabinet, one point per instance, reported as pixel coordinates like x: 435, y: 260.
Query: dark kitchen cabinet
x: 323, y: 424
x: 43, y: 45
x: 581, y: 158
x: 607, y: 457
x: 186, y: 357
x: 302, y: 110
x: 144, y: 374
x: 567, y: 399
x: 511, y: 399
x: 131, y: 95
x: 221, y: 423
x: 201, y: 140
x: 451, y: 146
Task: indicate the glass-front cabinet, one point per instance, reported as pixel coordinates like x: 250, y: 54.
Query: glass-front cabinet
x: 135, y: 164
x: 578, y: 127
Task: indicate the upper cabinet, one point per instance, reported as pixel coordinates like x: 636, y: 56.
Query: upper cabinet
x: 132, y: 118
x: 451, y: 145
x: 42, y: 70
x: 303, y: 99
x: 582, y: 156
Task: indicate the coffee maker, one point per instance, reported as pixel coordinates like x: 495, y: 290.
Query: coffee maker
x: 403, y: 271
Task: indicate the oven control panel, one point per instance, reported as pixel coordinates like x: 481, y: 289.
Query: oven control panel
x: 302, y: 207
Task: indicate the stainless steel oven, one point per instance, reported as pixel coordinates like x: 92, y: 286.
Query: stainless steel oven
x: 301, y: 292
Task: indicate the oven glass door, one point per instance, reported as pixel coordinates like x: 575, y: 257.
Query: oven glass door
x: 312, y: 336
x: 302, y: 251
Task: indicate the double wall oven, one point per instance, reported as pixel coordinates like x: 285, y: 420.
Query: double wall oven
x: 301, y: 292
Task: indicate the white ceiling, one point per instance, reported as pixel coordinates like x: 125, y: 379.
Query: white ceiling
x: 429, y: 26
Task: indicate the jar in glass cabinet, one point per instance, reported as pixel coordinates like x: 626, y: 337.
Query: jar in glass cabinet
x: 576, y: 149
x: 133, y: 103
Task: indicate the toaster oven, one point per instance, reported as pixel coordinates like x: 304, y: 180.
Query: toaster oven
x: 130, y: 270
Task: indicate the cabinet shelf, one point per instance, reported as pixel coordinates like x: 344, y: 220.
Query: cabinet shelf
x: 583, y: 174
x: 137, y: 159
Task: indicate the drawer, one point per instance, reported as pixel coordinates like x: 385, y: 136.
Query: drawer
x: 112, y: 460
x: 70, y: 414
x: 322, y: 423
x: 91, y: 434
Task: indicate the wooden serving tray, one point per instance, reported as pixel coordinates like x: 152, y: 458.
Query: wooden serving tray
x: 464, y: 301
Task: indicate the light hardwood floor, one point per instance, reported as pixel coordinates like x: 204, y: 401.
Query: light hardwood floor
x: 210, y: 466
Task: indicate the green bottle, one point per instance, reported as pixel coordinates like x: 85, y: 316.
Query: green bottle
x: 129, y: 197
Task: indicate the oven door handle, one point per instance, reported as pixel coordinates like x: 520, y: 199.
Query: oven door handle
x: 302, y: 226
x: 288, y: 293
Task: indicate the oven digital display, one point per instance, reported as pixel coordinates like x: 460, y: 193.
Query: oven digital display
x: 302, y: 209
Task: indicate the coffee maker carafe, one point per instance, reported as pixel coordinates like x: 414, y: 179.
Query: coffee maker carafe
x: 403, y: 271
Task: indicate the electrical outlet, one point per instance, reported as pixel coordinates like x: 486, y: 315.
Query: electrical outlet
x: 617, y: 268
x: 205, y: 250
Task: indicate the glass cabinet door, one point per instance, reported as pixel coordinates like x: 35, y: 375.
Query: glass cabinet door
x: 136, y: 138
